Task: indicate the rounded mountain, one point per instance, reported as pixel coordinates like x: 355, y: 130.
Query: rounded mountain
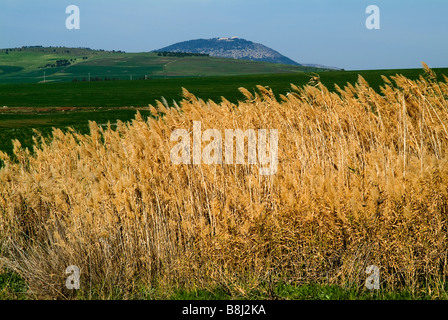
x: 232, y: 47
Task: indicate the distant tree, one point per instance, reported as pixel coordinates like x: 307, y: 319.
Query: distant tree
x: 62, y: 63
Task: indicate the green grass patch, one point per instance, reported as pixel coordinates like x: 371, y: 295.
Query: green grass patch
x: 13, y: 287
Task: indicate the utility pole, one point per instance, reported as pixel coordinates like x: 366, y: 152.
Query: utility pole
x: 89, y: 76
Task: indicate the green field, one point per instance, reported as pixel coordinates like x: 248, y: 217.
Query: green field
x: 46, y: 105
x: 140, y: 93
x: 12, y: 287
x: 33, y: 65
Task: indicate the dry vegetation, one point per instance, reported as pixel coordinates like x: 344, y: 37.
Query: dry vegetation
x: 361, y: 180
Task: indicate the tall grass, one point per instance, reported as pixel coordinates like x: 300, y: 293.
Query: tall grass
x: 361, y: 180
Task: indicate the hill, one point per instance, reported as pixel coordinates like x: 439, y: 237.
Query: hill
x: 56, y: 64
x: 235, y: 48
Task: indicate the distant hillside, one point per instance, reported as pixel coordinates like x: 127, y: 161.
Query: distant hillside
x: 56, y: 64
x: 233, y: 47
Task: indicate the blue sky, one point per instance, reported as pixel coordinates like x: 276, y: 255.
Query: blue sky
x: 328, y: 32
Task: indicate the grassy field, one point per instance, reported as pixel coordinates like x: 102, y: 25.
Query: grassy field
x: 24, y: 65
x: 140, y: 93
x: 31, y: 66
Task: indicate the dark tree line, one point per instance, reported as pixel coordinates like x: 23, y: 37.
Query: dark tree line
x: 58, y: 63
x: 181, y: 54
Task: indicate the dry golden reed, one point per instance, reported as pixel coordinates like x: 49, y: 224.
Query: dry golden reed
x: 362, y: 179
